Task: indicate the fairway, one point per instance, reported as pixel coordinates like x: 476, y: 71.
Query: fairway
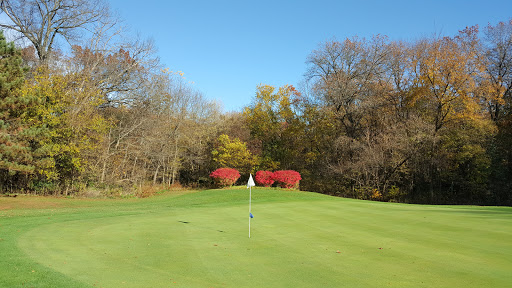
x: 298, y: 239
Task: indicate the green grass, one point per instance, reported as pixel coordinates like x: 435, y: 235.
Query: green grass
x: 201, y: 240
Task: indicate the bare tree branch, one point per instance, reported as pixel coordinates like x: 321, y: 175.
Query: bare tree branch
x: 42, y: 21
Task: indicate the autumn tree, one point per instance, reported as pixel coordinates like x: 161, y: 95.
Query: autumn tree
x: 273, y: 121
x: 162, y: 136
x: 496, y: 91
x: 397, y: 111
x: 444, y: 70
x: 42, y: 22
x: 445, y: 95
x: 117, y: 69
x: 233, y: 124
x: 187, y: 120
x: 355, y: 82
x: 67, y: 109
x: 398, y: 80
x: 343, y: 76
x: 233, y: 153
x: 498, y: 60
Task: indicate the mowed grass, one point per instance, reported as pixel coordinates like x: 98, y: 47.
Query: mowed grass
x: 298, y: 239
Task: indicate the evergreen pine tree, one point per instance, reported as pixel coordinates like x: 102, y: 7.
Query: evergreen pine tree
x: 15, y: 151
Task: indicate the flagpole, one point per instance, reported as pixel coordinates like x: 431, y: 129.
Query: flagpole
x: 250, y: 197
x: 250, y: 183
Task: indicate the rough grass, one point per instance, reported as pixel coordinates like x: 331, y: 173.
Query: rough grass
x: 298, y: 239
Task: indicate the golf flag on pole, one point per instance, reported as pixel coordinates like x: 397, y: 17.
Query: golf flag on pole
x: 250, y: 183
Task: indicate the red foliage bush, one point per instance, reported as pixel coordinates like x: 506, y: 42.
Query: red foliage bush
x: 264, y: 178
x: 225, y: 176
x: 287, y: 178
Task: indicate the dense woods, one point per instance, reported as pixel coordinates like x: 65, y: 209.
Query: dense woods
x: 427, y: 121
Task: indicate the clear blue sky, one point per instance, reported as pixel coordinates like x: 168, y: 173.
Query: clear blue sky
x: 229, y: 47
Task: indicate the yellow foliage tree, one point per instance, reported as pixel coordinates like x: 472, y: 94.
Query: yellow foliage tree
x: 445, y: 78
x: 68, y: 109
x: 233, y: 153
x: 273, y: 121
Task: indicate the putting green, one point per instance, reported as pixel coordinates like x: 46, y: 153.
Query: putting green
x: 297, y: 240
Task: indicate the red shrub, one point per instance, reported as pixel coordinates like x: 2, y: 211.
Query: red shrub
x: 287, y: 178
x: 225, y: 176
x: 264, y: 178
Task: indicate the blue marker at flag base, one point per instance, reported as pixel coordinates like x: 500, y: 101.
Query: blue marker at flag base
x: 250, y: 215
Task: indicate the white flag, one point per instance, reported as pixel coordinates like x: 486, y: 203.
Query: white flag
x: 250, y: 183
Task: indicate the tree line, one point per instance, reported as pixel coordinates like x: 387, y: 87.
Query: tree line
x: 426, y: 121
x: 97, y: 113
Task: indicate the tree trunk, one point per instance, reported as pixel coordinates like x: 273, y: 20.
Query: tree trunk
x: 156, y: 174
x: 105, y: 158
